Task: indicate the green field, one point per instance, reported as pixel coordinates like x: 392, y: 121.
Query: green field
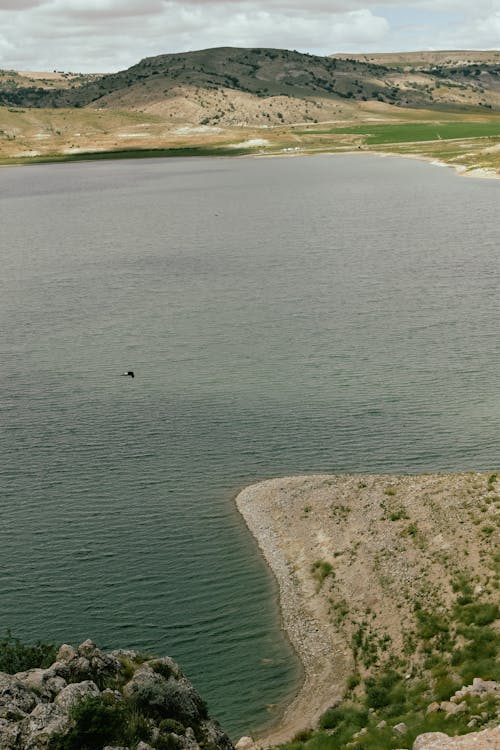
x: 410, y: 132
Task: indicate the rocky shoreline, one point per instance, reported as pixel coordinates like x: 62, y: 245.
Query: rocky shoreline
x: 314, y: 643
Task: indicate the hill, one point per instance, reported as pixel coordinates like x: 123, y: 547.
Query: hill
x: 233, y: 86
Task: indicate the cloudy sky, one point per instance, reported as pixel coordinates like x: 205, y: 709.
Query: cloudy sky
x: 109, y: 35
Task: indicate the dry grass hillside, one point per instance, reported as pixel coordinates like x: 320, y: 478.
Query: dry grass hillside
x: 427, y: 58
x: 11, y: 80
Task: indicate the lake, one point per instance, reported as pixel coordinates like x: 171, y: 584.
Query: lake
x: 282, y: 316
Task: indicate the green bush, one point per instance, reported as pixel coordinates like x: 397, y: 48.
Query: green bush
x: 343, y: 715
x: 342, y: 723
x: 138, y: 726
x: 97, y: 721
x: 171, y: 725
x: 303, y: 736
x: 444, y: 688
x: 170, y: 699
x: 477, y: 614
x: 487, y: 669
x: 429, y: 624
x: 162, y: 669
x: 397, y: 515
x: 353, y: 680
x: 482, y: 642
x: 19, y: 657
x: 321, y: 569
x: 479, y: 656
x: 166, y: 742
x: 386, y: 690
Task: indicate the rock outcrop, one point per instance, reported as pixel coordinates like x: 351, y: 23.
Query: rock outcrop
x: 91, y: 699
x: 488, y: 739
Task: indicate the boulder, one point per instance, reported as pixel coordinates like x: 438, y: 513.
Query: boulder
x: 400, y: 728
x: 10, y: 734
x: 75, y: 693
x: 59, y: 669
x: 428, y: 740
x: 16, y: 695
x: 33, y: 678
x: 44, y: 721
x: 433, y: 707
x: 244, y: 743
x: 45, y: 682
x: 86, y: 663
x: 487, y: 739
x: 87, y: 648
x: 214, y: 736
x: 66, y: 653
x: 478, y: 687
x: 79, y: 669
x: 55, y: 684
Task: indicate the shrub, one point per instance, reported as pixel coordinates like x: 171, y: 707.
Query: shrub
x: 97, y: 721
x: 487, y: 669
x: 353, y: 680
x: 398, y: 515
x: 321, y: 570
x: 444, y: 688
x: 170, y: 699
x: 171, y: 725
x: 19, y: 657
x: 166, y: 742
x: 138, y: 726
x: 461, y: 584
x: 344, y: 715
x: 478, y: 614
x: 128, y: 667
x: 479, y: 657
x: 303, y: 736
x: 384, y: 690
x: 429, y: 624
x: 162, y: 669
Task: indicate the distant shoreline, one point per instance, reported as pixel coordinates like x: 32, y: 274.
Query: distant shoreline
x: 221, y: 153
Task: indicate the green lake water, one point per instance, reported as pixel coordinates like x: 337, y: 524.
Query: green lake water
x: 282, y: 316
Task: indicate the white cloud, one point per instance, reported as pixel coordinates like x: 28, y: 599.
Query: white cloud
x: 109, y: 35
x: 18, y: 4
x: 486, y: 28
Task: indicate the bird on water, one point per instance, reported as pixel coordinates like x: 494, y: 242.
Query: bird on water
x: 130, y: 374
